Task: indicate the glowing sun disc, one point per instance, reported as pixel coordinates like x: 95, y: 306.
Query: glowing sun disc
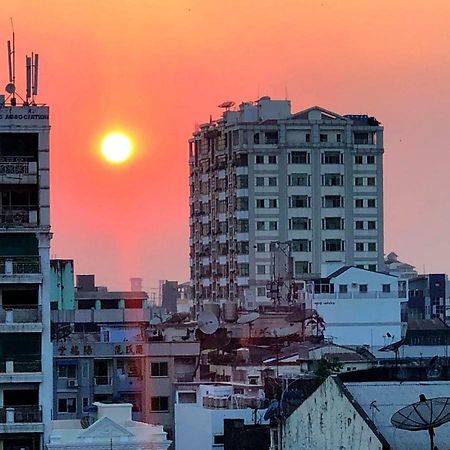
x: 116, y: 147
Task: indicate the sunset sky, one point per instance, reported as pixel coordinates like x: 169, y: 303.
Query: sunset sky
x: 154, y: 68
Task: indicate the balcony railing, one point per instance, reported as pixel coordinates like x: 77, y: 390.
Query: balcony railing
x: 10, y: 367
x: 17, y: 165
x: 102, y: 381
x: 18, y: 265
x: 20, y: 314
x: 19, y: 216
x: 233, y: 402
x: 349, y: 295
x: 21, y: 414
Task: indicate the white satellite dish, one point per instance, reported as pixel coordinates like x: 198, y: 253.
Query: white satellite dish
x: 248, y: 318
x: 10, y: 88
x: 207, y: 322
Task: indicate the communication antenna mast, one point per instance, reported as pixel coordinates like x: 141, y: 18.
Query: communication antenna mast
x: 11, y: 86
x: 32, y: 68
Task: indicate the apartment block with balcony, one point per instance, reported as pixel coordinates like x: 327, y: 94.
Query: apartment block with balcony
x: 25, y: 347
x: 262, y: 175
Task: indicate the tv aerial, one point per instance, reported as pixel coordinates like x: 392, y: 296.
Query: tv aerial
x: 248, y: 319
x: 207, y: 322
x: 426, y: 414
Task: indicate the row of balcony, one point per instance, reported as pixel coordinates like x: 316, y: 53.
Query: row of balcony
x: 20, y: 216
x: 17, y: 166
x: 20, y: 314
x: 21, y: 414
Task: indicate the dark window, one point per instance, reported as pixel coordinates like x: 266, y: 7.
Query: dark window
x: 338, y: 137
x: 324, y: 137
x: 359, y: 246
x: 371, y: 181
x: 363, y: 288
x: 300, y: 245
x: 359, y: 203
x: 301, y: 267
x: 361, y: 138
x: 299, y: 158
x: 272, y: 159
x: 273, y: 203
x: 299, y: 223
x: 67, y: 371
x: 299, y: 179
x: 299, y: 201
x: 307, y: 137
x: 242, y: 226
x: 359, y: 181
x: 371, y: 203
x: 343, y: 289
x: 260, y: 203
x: 259, y: 181
x: 358, y: 159
x: 273, y: 181
x: 259, y: 159
x: 372, y: 267
x: 271, y: 137
x: 219, y: 439
x: 332, y: 179
x: 256, y: 138
x: 372, y: 247
x: 273, y: 225
x: 160, y: 403
x: 371, y: 225
x: 333, y: 245
x: 242, y: 181
x: 386, y: 288
x: 331, y: 158
x: 67, y: 405
x: 333, y: 201
x: 159, y: 369
x: 359, y: 225
x: 332, y: 223
x: 370, y: 159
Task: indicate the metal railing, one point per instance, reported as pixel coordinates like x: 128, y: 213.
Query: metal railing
x: 18, y: 215
x: 15, y: 265
x: 15, y: 165
x: 235, y: 401
x: 20, y: 314
x: 10, y: 367
x: 349, y: 295
x: 21, y: 414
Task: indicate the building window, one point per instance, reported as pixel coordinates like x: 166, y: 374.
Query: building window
x: 260, y: 247
x: 255, y: 138
x: 363, y: 288
x: 300, y: 245
x: 261, y: 269
x: 343, y: 289
x: 242, y: 204
x: 386, y: 288
x: 260, y: 225
x: 259, y: 181
x: 67, y: 371
x: 273, y: 225
x: 67, y: 405
x: 333, y: 201
x: 242, y: 226
x: 359, y: 203
x: 299, y: 201
x: 331, y: 158
x: 333, y: 223
x: 160, y: 403
x: 359, y: 181
x: 299, y: 158
x: 338, y: 137
x: 219, y: 439
x: 299, y: 179
x: 85, y: 402
x: 371, y: 203
x: 358, y: 159
x: 333, y: 245
x: 372, y: 246
x: 272, y: 159
x: 243, y: 269
x: 273, y: 181
x: 242, y: 181
x: 359, y: 225
x: 299, y: 223
x: 372, y: 267
x: 370, y: 159
x: 242, y: 247
x: 359, y: 246
x: 324, y: 137
x: 261, y: 291
x: 271, y: 137
x: 273, y: 203
x: 259, y: 159
x: 301, y: 267
x: 307, y: 137
x: 159, y: 369
x: 260, y: 203
x: 371, y: 181
x: 332, y: 179
x: 371, y: 225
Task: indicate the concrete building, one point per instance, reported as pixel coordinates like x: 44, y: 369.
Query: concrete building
x: 169, y: 295
x: 265, y: 182
x: 200, y: 412
x: 359, y: 307
x: 357, y: 416
x: 25, y: 347
x: 110, y: 427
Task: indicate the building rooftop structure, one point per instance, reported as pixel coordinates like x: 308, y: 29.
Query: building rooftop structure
x: 110, y: 426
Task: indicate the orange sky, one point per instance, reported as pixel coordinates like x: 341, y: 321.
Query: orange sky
x: 154, y: 68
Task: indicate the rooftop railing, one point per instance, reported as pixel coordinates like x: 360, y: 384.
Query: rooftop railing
x: 19, y: 265
x: 349, y: 295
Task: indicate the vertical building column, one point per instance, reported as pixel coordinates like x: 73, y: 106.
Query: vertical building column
x: 316, y: 201
x: 380, y: 199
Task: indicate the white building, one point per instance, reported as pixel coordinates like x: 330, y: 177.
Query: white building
x: 359, y: 307
x: 111, y: 427
x: 357, y: 416
x: 200, y: 412
x: 262, y: 175
x: 25, y: 347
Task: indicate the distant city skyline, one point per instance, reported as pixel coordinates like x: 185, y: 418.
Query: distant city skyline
x: 169, y: 67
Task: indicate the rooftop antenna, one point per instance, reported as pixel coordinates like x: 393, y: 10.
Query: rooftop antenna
x: 11, y: 86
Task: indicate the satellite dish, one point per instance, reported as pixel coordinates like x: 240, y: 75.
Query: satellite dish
x: 423, y: 415
x: 207, y: 322
x: 87, y: 421
x: 10, y: 88
x: 248, y: 318
x: 227, y: 104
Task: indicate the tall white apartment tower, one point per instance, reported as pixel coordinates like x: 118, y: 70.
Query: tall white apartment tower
x: 25, y: 346
x: 262, y: 178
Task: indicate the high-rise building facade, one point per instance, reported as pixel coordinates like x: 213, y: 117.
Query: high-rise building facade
x: 25, y: 347
x: 263, y: 178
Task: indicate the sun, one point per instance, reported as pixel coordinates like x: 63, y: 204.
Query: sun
x: 116, y: 147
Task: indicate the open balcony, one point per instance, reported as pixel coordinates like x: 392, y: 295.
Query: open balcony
x: 15, y: 269
x: 14, y: 169
x: 23, y: 418
x: 20, y: 318
x: 28, y: 371
x: 19, y: 216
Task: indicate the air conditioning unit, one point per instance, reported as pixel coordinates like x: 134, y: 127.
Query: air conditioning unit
x: 72, y: 383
